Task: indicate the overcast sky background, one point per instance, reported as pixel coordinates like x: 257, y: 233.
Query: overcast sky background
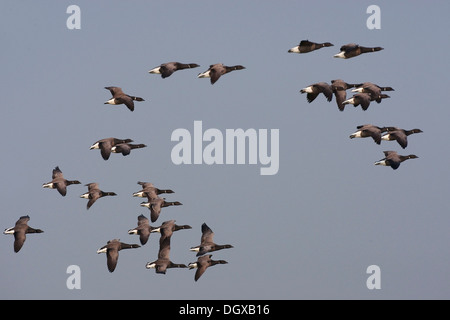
x: 308, y: 232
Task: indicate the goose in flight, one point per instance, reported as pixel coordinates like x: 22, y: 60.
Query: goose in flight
x: 393, y: 159
x: 352, y: 50
x: 119, y: 97
x: 215, y: 71
x: 306, y: 46
x: 112, y: 249
x: 20, y: 231
x: 206, y: 242
x: 59, y: 182
x: 168, y: 68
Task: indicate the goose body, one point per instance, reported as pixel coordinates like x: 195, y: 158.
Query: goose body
x: 363, y: 99
x: 339, y: 88
x: 167, y: 69
x: 163, y: 262
x: 315, y: 89
x: 125, y: 148
x: 393, y: 159
x: 20, y: 231
x: 399, y: 135
x: 206, y: 242
x: 119, y: 97
x: 59, y: 182
x: 203, y: 263
x: 112, y: 249
x: 215, y: 71
x: 94, y: 193
x: 306, y: 46
x: 167, y: 228
x: 373, y: 90
x: 369, y: 130
x: 105, y: 145
x: 155, y: 205
x: 352, y: 50
x: 150, y: 191
x: 143, y: 229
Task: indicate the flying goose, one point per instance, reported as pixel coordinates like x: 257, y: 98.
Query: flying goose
x: 143, y: 229
x: 163, y: 262
x: 206, y: 242
x: 393, y: 159
x: 308, y: 46
x: 167, y: 228
x: 373, y: 90
x: 112, y: 249
x: 339, y: 88
x: 155, y: 205
x: 352, y: 50
x: 166, y: 69
x: 94, y: 193
x: 315, y: 89
x: 399, y: 135
x: 367, y: 87
x: 119, y: 97
x: 369, y: 130
x: 215, y: 71
x: 59, y: 183
x: 125, y: 148
x: 150, y: 191
x: 203, y: 263
x: 20, y: 231
x: 106, y: 144
x: 363, y: 99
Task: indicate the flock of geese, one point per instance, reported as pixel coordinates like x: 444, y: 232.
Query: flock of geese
x: 154, y: 202
x: 365, y: 93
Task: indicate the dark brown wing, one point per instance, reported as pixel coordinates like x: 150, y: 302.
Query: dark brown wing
x: 207, y: 234
x: 19, y: 239
x: 155, y: 209
x: 144, y: 229
x: 61, y: 187
x: 400, y: 137
x: 341, y: 96
x: 128, y: 101
x: 326, y: 89
x: 214, y: 74
x: 57, y: 174
x: 112, y: 256
x: 202, y: 264
x: 167, y: 69
x: 115, y: 91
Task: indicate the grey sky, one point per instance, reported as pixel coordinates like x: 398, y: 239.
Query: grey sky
x: 308, y: 232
